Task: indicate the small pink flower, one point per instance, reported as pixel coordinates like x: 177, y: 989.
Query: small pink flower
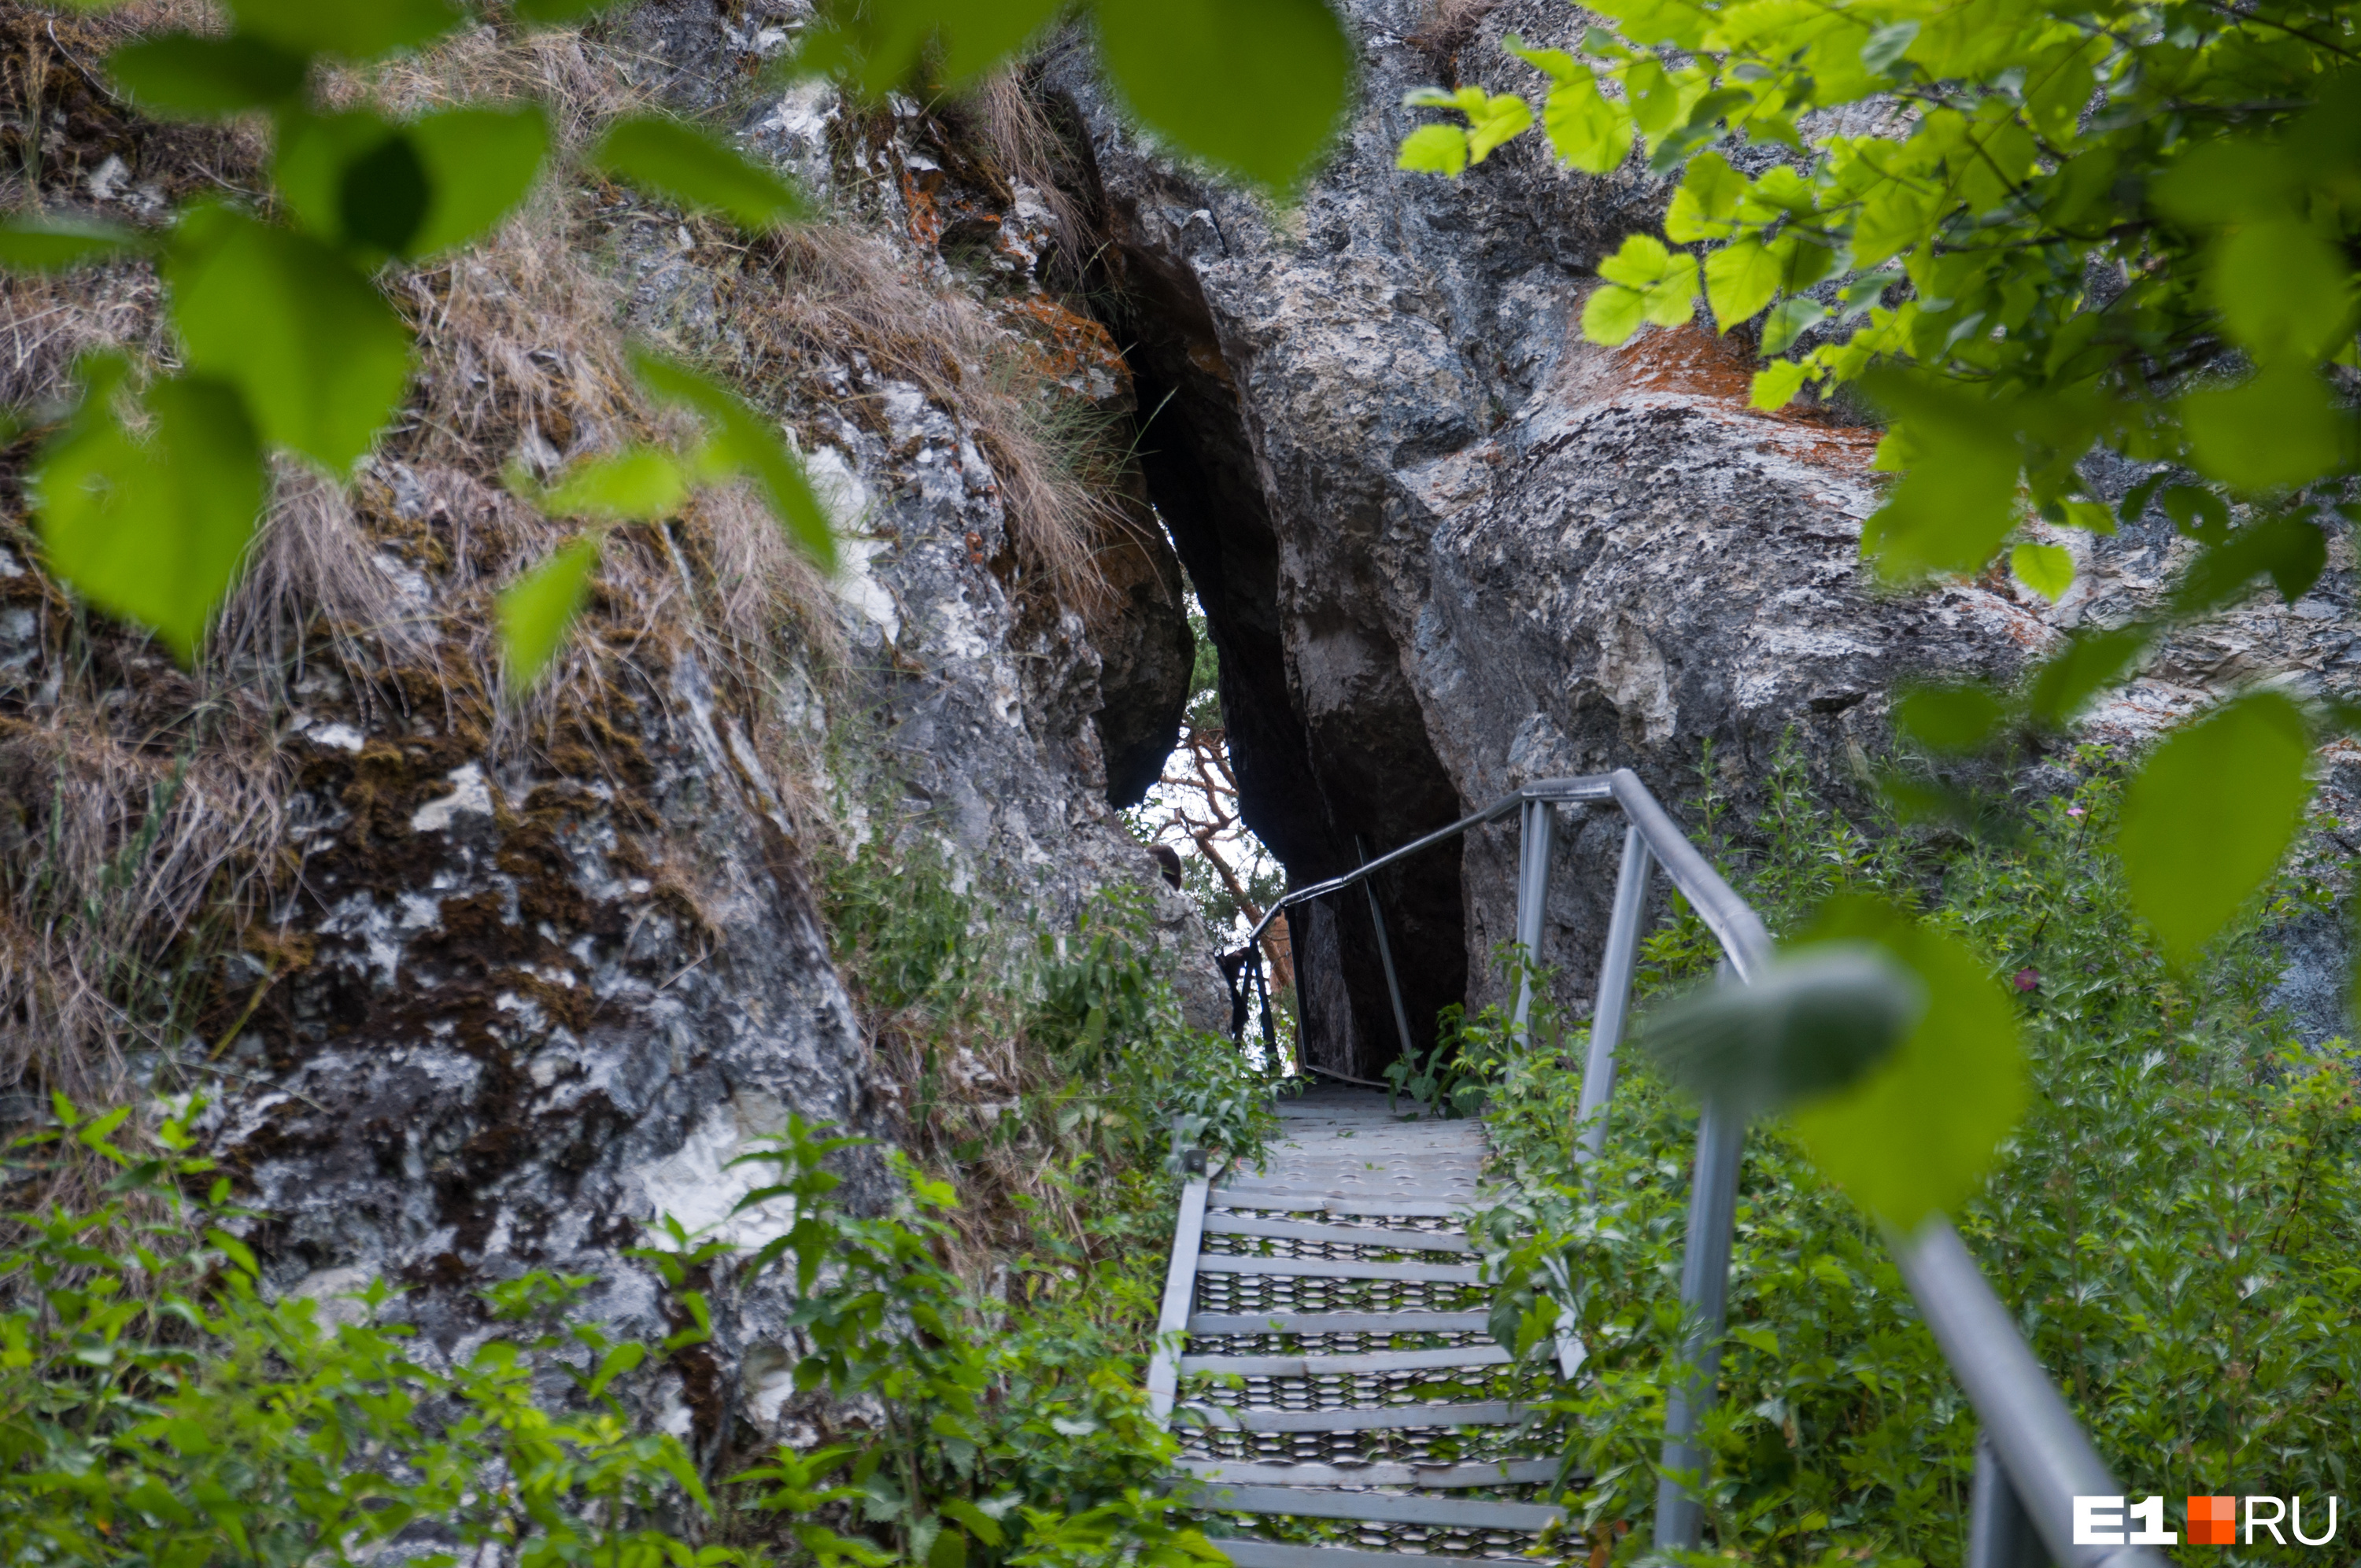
x: 2028, y: 978
x: 2074, y: 811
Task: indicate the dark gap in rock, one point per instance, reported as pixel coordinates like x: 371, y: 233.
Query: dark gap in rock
x: 1313, y: 787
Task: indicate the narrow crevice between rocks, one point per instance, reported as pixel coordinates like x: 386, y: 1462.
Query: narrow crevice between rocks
x: 1316, y: 788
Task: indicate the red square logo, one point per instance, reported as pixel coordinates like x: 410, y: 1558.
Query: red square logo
x: 2212, y: 1521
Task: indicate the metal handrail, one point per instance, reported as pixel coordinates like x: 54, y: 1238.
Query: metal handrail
x: 2034, y: 1457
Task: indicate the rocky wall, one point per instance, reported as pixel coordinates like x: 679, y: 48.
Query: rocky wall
x: 1446, y: 547
x: 534, y: 971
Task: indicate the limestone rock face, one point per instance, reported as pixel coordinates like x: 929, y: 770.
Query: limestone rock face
x: 1446, y: 547
x: 541, y: 967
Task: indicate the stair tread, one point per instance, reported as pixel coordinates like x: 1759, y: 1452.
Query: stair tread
x: 1337, y: 1269
x: 1383, y: 1507
x: 1496, y: 1472
x: 1351, y: 1418
x: 1407, y: 1321
x: 1347, y: 1364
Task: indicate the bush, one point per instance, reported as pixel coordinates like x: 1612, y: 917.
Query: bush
x: 156, y: 1407
x: 2176, y: 1223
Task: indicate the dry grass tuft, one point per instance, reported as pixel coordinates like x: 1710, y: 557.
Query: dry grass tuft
x: 113, y: 853
x: 834, y: 287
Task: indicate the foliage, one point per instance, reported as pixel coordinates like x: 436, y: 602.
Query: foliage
x: 2177, y: 1224
x: 150, y: 496
x: 1028, y: 1443
x: 158, y: 1406
x: 1087, y: 1030
x: 1254, y: 87
x: 2030, y: 231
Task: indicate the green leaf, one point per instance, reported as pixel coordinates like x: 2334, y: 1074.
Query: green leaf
x: 1788, y: 320
x: 537, y: 609
x: 636, y: 483
x: 1813, y: 1021
x: 321, y: 359
x: 1915, y: 1134
x: 1255, y: 87
x: 31, y: 243
x: 1775, y: 385
x: 1613, y: 313
x: 2090, y: 660
x: 357, y: 29
x: 153, y: 529
x: 480, y: 164
x: 1586, y: 128
x: 987, y: 1528
x: 1958, y: 500
x: 2292, y: 550
x: 1739, y: 280
x: 2096, y: 517
x: 2046, y: 569
x: 1887, y: 45
x: 683, y: 164
x: 1706, y: 205
x: 2222, y: 180
x: 408, y: 189
x: 1433, y: 150
x: 1502, y: 118
x: 2278, y: 428
x: 1954, y: 720
x: 559, y: 12
x: 2211, y: 813
x: 878, y: 45
x: 2283, y: 290
x: 2198, y: 512
x: 1665, y: 281
x: 749, y: 444
x: 186, y: 75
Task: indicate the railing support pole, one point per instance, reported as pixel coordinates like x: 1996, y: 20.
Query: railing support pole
x: 1704, y: 1293
x: 1386, y: 955
x: 1539, y: 825
x: 2000, y: 1533
x: 1614, y: 993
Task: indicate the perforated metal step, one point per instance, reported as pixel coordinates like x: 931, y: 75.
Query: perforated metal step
x: 1333, y: 1325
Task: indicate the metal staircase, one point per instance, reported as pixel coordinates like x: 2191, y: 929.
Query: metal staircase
x: 1324, y: 1356
x: 1324, y: 1325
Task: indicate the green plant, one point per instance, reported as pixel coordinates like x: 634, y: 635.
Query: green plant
x: 158, y: 1407
x: 1026, y: 1442
x: 2176, y: 1222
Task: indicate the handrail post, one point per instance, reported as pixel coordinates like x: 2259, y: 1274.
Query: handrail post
x: 1614, y: 1002
x: 2000, y: 1533
x: 1538, y: 824
x: 1385, y: 954
x: 1704, y: 1295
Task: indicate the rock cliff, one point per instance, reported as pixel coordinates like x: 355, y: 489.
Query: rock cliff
x: 503, y: 980
x: 1446, y: 547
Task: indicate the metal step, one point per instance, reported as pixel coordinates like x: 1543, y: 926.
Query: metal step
x: 1207, y: 1325
x: 1500, y: 1473
x: 1375, y: 1361
x: 1334, y: 1196
x: 1338, y: 1268
x: 1285, y: 1554
x: 1251, y: 1195
x: 1349, y: 1418
x: 1382, y: 1508
x: 1336, y: 1235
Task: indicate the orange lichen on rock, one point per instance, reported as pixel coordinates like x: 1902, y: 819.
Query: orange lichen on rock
x: 1696, y: 363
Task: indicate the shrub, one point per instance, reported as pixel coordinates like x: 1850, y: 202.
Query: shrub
x: 2176, y: 1223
